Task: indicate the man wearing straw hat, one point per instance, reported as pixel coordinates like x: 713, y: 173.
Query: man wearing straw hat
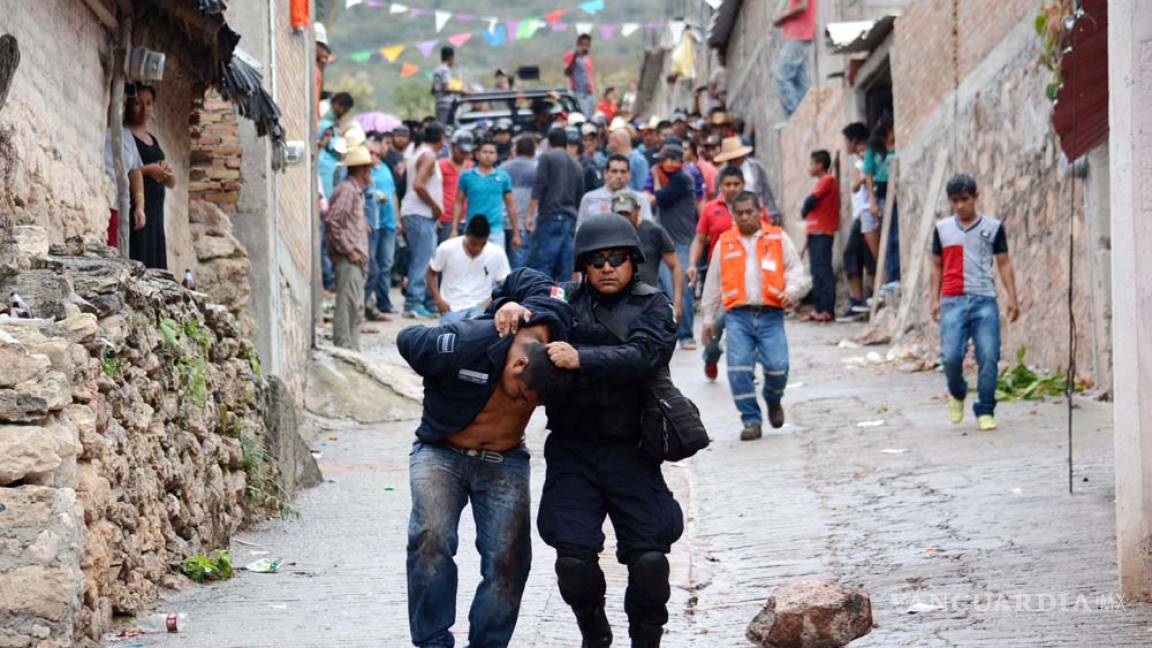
x: 734, y: 152
x: 348, y: 245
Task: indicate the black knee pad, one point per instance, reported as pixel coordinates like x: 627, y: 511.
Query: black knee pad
x: 649, y: 568
x: 581, y: 580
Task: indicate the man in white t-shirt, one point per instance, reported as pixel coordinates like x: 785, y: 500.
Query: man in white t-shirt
x: 470, y: 267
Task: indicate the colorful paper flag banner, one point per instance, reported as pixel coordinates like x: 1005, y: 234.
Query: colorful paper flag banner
x: 627, y: 29
x: 606, y: 31
x: 528, y: 28
x: 559, y: 26
x: 392, y: 52
x: 375, y: 4
x: 360, y: 57
x: 495, y: 36
x: 442, y: 18
x: 352, y: 3
x: 408, y: 70
x: 458, y: 40
x: 426, y: 47
x: 398, y: 8
x: 465, y: 17
x: 553, y: 16
x: 584, y: 28
x: 418, y: 12
x: 513, y: 30
x: 592, y: 6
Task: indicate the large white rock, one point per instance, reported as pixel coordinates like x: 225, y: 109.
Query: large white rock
x: 27, y: 450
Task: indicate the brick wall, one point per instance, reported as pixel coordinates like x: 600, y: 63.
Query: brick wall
x: 937, y: 43
x: 998, y: 128
x: 214, y: 174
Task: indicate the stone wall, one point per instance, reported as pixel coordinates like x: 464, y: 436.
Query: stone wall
x: 132, y: 435
x: 997, y: 126
x: 54, y: 120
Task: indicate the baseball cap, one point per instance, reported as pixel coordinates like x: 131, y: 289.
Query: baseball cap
x: 670, y: 153
x: 465, y: 140
x: 625, y: 202
x: 588, y: 129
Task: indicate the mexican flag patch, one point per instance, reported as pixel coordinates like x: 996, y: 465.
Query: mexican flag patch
x: 558, y: 293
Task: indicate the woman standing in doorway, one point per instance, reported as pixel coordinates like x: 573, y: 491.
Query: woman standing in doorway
x: 147, y: 244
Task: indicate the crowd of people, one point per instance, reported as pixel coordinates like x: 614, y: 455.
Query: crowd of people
x: 565, y: 258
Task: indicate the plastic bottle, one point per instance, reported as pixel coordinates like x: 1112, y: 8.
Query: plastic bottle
x: 163, y: 623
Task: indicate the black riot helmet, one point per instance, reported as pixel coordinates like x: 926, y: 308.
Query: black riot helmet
x: 604, y: 232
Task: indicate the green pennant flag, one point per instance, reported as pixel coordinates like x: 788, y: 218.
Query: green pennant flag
x: 528, y: 27
x: 360, y: 57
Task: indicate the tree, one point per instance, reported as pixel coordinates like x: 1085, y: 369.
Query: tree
x: 360, y: 86
x: 413, y: 100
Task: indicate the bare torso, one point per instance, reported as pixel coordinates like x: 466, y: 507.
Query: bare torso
x: 498, y: 427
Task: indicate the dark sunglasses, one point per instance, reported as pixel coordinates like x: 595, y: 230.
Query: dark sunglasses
x: 616, y: 259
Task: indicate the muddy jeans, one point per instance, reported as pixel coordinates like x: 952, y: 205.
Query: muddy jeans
x: 443, y: 480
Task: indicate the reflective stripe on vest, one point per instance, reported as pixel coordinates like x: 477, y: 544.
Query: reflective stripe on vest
x: 770, y: 251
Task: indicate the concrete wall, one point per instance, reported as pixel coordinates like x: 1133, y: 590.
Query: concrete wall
x: 997, y: 126
x: 1130, y: 93
x: 274, y: 210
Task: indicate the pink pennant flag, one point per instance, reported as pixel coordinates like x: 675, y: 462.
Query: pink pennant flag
x: 426, y: 47
x: 458, y: 40
x: 653, y: 26
x: 513, y: 25
x: 465, y: 17
x: 606, y: 31
x: 558, y: 26
x: 417, y: 12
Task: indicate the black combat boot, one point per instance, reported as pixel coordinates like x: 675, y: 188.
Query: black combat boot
x: 594, y: 628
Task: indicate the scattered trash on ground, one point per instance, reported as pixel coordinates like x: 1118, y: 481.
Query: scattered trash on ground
x: 1017, y: 491
x: 874, y: 357
x: 794, y: 385
x: 163, y: 623
x: 246, y: 543
x: 202, y: 569
x: 868, y: 424
x: 848, y: 344
x: 389, y: 488
x: 894, y: 451
x: 263, y: 566
x: 917, y: 608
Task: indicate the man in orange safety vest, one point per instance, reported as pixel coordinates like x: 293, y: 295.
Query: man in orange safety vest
x: 756, y: 274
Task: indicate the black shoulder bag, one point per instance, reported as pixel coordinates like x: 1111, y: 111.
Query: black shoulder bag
x: 670, y: 425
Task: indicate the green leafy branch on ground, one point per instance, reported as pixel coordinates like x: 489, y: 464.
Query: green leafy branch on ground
x: 205, y: 569
x: 1023, y: 383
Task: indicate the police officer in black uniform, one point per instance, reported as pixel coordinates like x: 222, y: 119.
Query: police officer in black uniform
x: 624, y: 332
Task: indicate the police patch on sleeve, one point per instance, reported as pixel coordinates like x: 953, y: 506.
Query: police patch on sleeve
x: 446, y: 343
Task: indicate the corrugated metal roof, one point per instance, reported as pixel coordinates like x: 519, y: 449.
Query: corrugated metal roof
x: 868, y: 39
x: 720, y: 29
x: 1081, y: 114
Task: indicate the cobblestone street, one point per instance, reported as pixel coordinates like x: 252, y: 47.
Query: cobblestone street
x: 976, y: 529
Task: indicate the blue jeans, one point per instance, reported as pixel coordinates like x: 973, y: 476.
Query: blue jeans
x: 327, y: 274
x: 892, y: 261
x: 792, y: 74
x: 712, y: 348
x: 756, y: 336
x: 385, y: 255
x: 552, y: 246
x: 976, y: 317
x: 684, y: 328
x: 421, y: 235
x: 823, y: 279
x: 443, y: 480
x: 373, y: 269
x: 516, y: 256
x: 458, y: 316
x: 443, y: 231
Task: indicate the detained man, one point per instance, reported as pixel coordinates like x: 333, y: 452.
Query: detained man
x: 480, y: 389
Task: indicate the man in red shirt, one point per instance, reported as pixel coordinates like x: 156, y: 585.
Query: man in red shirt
x: 821, y: 212
x: 463, y: 144
x: 798, y: 24
x: 715, y: 219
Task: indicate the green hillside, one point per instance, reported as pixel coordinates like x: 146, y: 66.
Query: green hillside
x: 376, y: 84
